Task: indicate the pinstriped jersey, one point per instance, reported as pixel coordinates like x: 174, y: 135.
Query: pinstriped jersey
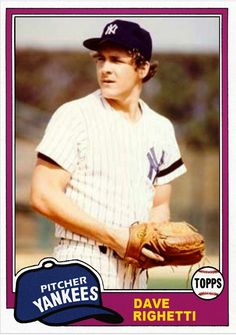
x: 114, y: 164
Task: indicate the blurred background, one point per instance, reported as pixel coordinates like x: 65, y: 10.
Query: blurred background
x: 52, y: 67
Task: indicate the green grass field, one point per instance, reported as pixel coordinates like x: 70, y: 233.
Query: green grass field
x: 177, y: 277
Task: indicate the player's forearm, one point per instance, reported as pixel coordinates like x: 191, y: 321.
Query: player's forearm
x: 58, y: 207
x: 160, y: 213
x: 161, y: 204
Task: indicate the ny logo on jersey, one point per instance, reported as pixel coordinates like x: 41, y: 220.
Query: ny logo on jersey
x: 111, y: 29
x: 154, y: 165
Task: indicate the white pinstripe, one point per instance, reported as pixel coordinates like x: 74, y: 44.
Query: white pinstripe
x: 114, y: 272
x: 107, y: 158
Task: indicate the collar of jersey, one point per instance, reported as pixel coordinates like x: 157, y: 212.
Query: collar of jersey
x: 109, y: 107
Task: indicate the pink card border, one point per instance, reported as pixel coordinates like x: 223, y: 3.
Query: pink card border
x: 115, y: 300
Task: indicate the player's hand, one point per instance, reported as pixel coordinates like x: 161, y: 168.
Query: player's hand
x: 121, y: 241
x: 120, y: 237
x: 149, y: 254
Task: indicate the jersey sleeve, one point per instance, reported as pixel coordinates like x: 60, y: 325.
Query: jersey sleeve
x: 62, y: 136
x: 172, y: 165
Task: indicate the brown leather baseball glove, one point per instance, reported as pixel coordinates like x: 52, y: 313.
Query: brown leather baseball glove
x: 174, y: 243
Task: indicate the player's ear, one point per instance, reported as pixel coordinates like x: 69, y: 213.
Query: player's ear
x: 143, y: 70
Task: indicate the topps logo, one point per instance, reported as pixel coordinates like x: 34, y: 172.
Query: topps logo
x: 207, y: 283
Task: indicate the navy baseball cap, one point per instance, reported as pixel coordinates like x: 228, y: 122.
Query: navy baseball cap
x: 60, y: 293
x: 126, y: 34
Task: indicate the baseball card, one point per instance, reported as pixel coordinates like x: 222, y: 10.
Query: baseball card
x: 117, y: 167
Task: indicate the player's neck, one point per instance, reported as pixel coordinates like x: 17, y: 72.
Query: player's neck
x: 129, y: 107
x: 131, y: 111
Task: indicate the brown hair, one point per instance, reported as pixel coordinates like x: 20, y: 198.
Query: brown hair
x: 139, y: 61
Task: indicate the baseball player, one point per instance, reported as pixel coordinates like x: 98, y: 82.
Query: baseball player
x: 106, y: 161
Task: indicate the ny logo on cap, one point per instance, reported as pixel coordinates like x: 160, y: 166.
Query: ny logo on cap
x: 111, y: 29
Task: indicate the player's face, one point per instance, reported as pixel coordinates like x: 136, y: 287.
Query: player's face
x: 117, y: 76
